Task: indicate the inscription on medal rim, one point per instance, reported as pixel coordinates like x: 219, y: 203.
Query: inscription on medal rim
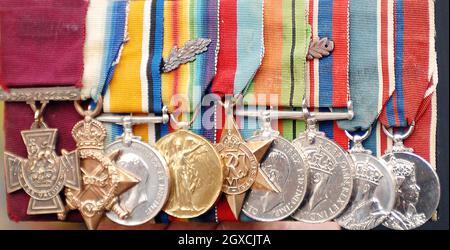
x: 291, y: 181
x: 147, y: 198
x: 330, y: 168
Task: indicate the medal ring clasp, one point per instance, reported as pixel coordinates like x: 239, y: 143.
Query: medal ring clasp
x: 358, y: 138
x: 184, y: 124
x: 396, y: 137
x: 38, y: 114
x: 88, y: 112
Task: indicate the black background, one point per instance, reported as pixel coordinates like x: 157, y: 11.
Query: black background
x: 294, y: 239
x: 442, y: 147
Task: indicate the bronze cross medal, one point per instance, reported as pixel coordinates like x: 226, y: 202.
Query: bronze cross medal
x: 241, y: 161
x: 102, y: 180
x: 44, y: 174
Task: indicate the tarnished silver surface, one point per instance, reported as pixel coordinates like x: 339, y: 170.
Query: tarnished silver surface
x: 285, y: 167
x: 40, y: 94
x: 418, y: 190
x: 330, y: 179
x: 185, y: 54
x: 147, y: 198
x: 373, y: 194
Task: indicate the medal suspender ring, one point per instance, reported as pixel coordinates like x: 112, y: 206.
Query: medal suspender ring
x: 89, y: 113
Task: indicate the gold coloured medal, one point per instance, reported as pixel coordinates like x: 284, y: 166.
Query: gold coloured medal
x: 102, y: 180
x: 195, y: 171
x: 44, y: 174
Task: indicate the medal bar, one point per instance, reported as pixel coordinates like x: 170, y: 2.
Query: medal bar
x: 40, y: 94
x: 299, y: 115
x: 110, y: 118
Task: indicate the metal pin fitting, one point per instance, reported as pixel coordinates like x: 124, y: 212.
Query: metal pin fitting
x: 299, y: 115
x: 130, y: 119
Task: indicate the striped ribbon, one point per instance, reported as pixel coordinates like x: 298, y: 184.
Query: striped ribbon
x: 425, y: 67
x: 415, y: 69
x: 282, y: 72
x: 105, y: 33
x: 186, y: 20
x: 240, y: 55
x: 135, y: 86
x: 241, y: 45
x: 371, y: 71
x: 328, y: 77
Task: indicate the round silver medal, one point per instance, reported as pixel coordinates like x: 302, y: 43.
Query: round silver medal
x: 330, y: 178
x: 373, y: 194
x: 285, y: 167
x: 146, y: 199
x: 418, y: 190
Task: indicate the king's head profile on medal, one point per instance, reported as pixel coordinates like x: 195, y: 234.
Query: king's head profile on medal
x: 102, y: 180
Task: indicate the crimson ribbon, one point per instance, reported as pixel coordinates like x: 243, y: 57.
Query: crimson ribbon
x: 41, y: 45
x: 42, y: 42
x: 415, y: 75
x: 240, y: 55
x: 412, y: 65
x: 59, y: 115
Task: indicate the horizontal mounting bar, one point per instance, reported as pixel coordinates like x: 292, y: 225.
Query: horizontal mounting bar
x: 110, y: 118
x: 40, y: 94
x: 296, y: 115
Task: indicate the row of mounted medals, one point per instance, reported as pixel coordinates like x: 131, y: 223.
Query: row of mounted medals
x: 311, y: 179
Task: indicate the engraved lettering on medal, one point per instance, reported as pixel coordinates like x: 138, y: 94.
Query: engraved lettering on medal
x: 285, y: 169
x: 330, y: 179
x: 146, y: 199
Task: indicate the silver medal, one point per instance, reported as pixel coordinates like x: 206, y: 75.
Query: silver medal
x: 146, y: 199
x: 285, y: 167
x: 331, y: 172
x: 373, y: 191
x: 418, y: 188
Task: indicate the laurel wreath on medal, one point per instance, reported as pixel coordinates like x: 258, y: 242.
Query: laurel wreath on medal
x: 108, y: 200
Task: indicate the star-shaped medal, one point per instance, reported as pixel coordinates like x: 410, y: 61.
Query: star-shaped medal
x: 103, y: 181
x: 241, y: 161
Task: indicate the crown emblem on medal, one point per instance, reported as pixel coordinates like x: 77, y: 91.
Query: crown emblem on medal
x: 320, y: 161
x: 231, y: 140
x: 89, y: 133
x: 366, y: 172
x: 401, y: 167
